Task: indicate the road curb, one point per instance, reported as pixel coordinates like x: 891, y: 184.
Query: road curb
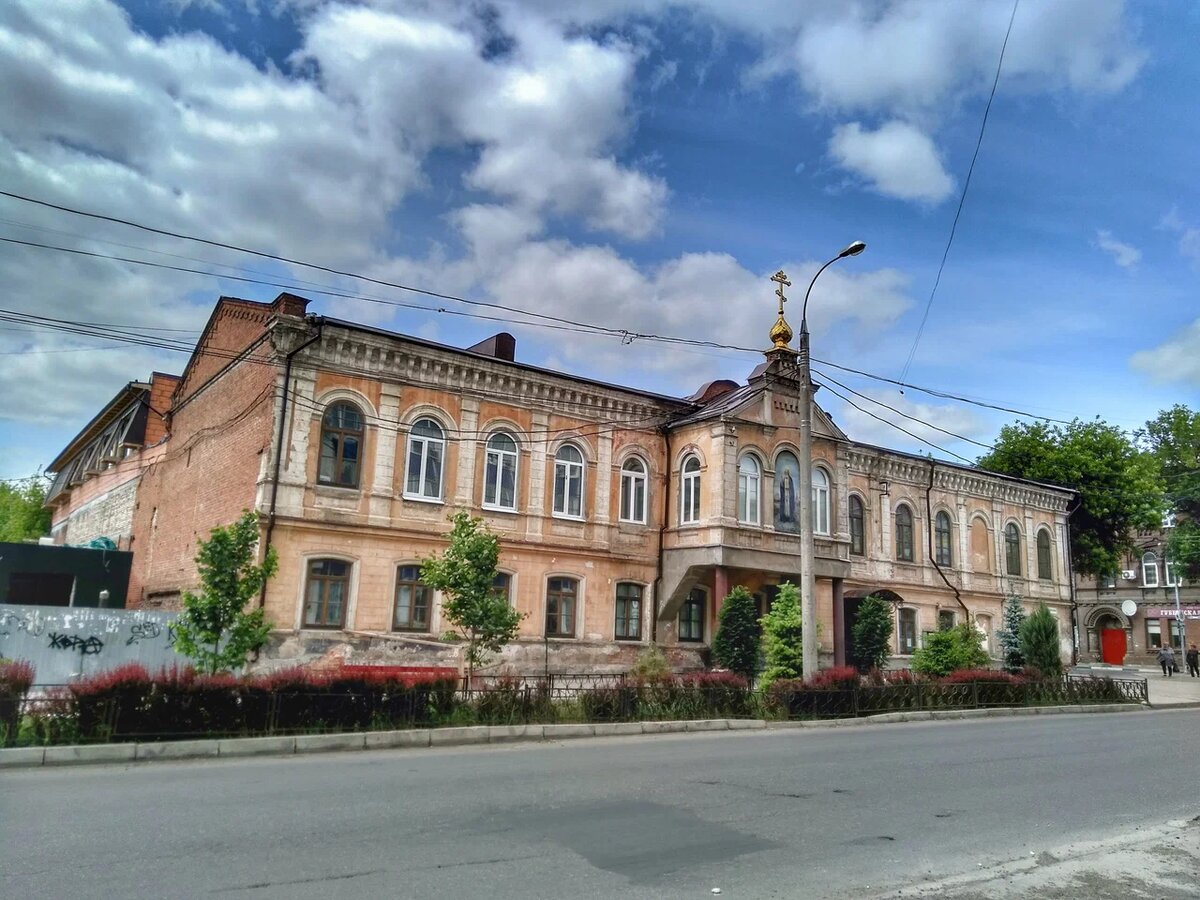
x: 33, y: 757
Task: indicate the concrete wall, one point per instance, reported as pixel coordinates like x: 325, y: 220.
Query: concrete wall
x: 84, y: 574
x: 63, y: 644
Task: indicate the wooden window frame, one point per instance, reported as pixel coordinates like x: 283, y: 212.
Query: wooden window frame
x: 905, y: 544
x: 556, y: 596
x: 943, y: 539
x: 1045, y: 557
x: 695, y: 600
x: 341, y: 433
x: 858, y: 526
x: 1012, y: 549
x: 325, y: 580
x: 628, y: 626
x: 419, y: 592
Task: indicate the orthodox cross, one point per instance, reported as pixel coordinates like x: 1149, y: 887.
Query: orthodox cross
x: 783, y: 282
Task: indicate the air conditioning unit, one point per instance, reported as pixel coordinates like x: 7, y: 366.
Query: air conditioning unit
x: 1129, y: 575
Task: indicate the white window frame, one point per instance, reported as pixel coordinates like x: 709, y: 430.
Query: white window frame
x: 573, y: 475
x: 749, y: 489
x: 424, y: 442
x: 492, y: 491
x: 689, y: 490
x: 1169, y: 578
x: 820, y: 501
x: 634, y: 489
x: 916, y: 620
x: 1149, y: 564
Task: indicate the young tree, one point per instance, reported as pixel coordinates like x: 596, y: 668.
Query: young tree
x: 782, y: 630
x: 1119, y: 487
x: 23, y: 516
x: 214, y: 630
x: 950, y: 649
x: 1039, y: 642
x: 1008, y: 636
x: 872, y: 634
x: 1173, y: 437
x: 736, y: 646
x: 466, y: 576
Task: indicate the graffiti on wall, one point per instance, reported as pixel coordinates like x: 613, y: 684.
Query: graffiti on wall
x: 88, y: 646
x: 30, y: 623
x: 144, y: 631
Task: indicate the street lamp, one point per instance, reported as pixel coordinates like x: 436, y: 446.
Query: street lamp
x: 808, y: 580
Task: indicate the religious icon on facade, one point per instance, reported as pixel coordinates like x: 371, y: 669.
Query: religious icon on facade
x: 787, y: 485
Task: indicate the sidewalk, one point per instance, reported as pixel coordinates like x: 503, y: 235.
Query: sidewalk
x: 1178, y: 690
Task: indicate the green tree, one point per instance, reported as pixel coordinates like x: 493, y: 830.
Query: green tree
x: 214, y: 630
x: 1008, y: 636
x: 466, y: 576
x: 872, y: 634
x: 782, y: 635
x: 1039, y: 641
x: 1119, y: 488
x: 736, y: 645
x: 23, y: 514
x: 951, y: 649
x: 1173, y: 438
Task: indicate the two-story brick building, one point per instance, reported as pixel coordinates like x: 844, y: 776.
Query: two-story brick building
x: 624, y: 515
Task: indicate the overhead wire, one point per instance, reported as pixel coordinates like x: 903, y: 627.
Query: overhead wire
x: 963, y: 197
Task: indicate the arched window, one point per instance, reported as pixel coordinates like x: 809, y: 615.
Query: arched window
x: 426, y: 453
x: 414, y: 600
x: 904, y: 533
x: 748, y: 490
x: 941, y: 539
x: 983, y: 625
x: 341, y: 445
x: 628, y: 625
x: 689, y: 497
x: 857, y: 527
x: 787, y: 487
x: 500, y: 472
x: 568, y: 482
x: 820, y: 501
x: 1012, y: 549
x: 562, y: 594
x: 1149, y: 569
x: 981, y: 546
x: 1045, y: 569
x: 633, y: 491
x: 326, y: 593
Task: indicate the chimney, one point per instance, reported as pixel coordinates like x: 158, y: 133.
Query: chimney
x: 289, y: 305
x: 498, y: 346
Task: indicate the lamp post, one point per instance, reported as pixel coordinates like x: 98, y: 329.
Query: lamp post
x: 808, y: 580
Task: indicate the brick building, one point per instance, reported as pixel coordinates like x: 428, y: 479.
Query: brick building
x: 624, y: 516
x: 1127, y: 617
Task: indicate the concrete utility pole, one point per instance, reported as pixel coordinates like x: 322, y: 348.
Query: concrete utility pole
x: 808, y: 580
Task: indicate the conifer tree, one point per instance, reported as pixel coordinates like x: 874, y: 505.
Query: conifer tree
x: 872, y: 634
x: 1008, y: 636
x: 1039, y: 642
x: 782, y: 636
x: 736, y: 646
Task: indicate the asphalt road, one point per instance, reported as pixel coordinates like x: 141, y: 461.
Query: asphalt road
x: 801, y: 813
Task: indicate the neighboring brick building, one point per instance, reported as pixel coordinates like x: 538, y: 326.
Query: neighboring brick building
x: 1148, y: 581
x: 624, y: 516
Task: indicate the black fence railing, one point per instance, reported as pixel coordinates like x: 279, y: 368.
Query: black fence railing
x: 55, y: 716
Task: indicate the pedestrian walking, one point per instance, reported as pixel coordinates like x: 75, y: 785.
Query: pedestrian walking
x: 1193, y: 661
x: 1166, y: 659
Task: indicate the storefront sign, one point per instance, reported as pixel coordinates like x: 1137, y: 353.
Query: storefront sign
x: 1168, y: 612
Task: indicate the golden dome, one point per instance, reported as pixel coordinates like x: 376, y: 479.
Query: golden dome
x: 781, y: 334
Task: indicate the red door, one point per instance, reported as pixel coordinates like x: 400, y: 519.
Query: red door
x: 1112, y: 645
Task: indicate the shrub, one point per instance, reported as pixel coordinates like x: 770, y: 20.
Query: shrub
x: 1008, y: 636
x: 838, y: 678
x: 719, y: 694
x: 900, y: 676
x: 736, y: 645
x: 872, y: 634
x: 1039, y: 642
x: 783, y: 635
x: 610, y: 704
x: 16, y: 677
x: 510, y: 700
x: 651, y: 664
x: 950, y: 649
x: 991, y: 676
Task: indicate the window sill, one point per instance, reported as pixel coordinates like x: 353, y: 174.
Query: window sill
x: 628, y: 640
x: 559, y: 638
x: 503, y: 510
x: 413, y: 631
x: 417, y: 498
x: 340, y: 488
x: 631, y: 522
x: 563, y: 517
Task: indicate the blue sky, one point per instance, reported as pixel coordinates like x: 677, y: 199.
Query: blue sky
x: 634, y: 163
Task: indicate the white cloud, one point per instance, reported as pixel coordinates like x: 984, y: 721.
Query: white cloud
x: 923, y: 419
x: 1189, y: 237
x: 1124, y: 255
x: 1175, y: 360
x: 897, y: 160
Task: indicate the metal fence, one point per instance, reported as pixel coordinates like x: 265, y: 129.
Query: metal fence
x: 52, y: 715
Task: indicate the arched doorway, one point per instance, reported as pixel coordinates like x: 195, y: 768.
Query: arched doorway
x: 1113, y: 643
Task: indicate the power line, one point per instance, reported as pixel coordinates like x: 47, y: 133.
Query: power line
x: 963, y: 198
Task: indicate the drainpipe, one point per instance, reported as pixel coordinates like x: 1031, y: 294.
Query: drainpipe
x: 929, y: 542
x: 283, y: 412
x: 1075, y: 627
x: 662, y: 530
